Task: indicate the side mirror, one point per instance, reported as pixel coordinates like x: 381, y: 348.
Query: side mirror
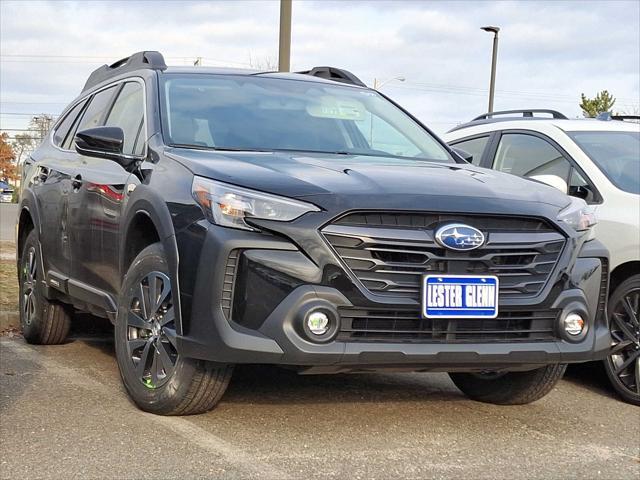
x: 553, y: 181
x: 103, y: 142
x: 466, y: 156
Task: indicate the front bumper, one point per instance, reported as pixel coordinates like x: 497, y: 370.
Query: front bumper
x: 280, y: 281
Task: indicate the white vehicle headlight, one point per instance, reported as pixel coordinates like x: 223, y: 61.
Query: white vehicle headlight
x: 578, y: 215
x: 229, y: 206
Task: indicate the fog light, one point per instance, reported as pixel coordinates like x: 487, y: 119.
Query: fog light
x: 573, y: 324
x: 318, y: 323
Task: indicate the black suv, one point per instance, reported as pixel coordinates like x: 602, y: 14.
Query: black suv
x: 226, y: 216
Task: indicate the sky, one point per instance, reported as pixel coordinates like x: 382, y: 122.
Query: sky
x: 549, y: 51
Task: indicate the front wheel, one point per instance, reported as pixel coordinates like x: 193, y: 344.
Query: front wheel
x: 510, y: 388
x: 623, y: 364
x: 157, y: 377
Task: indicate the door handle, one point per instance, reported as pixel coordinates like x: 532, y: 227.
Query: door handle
x: 76, y: 183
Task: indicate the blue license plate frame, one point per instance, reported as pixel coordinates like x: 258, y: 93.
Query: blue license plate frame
x: 468, y: 296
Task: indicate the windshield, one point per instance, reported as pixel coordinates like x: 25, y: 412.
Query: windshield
x: 617, y: 154
x: 230, y: 112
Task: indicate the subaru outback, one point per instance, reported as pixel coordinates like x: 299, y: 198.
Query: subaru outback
x: 221, y: 217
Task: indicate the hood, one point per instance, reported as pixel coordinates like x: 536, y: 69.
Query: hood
x: 363, y: 179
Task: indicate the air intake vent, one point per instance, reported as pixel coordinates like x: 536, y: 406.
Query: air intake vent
x: 406, y: 325
x: 604, y: 288
x: 229, y: 282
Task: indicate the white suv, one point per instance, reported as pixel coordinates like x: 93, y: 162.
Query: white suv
x: 599, y: 161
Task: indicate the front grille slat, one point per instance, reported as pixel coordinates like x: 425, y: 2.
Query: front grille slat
x: 389, y: 252
x: 407, y: 325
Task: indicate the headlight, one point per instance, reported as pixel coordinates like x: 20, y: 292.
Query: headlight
x: 229, y: 206
x: 578, y: 215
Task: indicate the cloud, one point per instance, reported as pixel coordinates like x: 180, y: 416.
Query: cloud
x: 549, y: 52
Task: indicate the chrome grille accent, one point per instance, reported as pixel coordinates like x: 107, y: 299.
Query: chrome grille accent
x: 389, y: 253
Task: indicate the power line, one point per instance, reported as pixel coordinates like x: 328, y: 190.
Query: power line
x: 28, y: 114
x: 500, y: 93
x: 88, y: 59
x: 32, y: 103
x: 428, y: 87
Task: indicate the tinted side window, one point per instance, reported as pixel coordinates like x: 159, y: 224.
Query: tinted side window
x: 475, y: 147
x: 581, y: 188
x: 527, y: 155
x: 127, y: 113
x: 65, y: 125
x: 94, y: 114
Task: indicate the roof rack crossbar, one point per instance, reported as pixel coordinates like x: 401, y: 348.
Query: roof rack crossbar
x: 150, y: 59
x: 528, y: 113
x: 335, y: 74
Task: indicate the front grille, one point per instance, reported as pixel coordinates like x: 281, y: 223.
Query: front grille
x: 407, y: 325
x: 228, y: 285
x: 389, y: 252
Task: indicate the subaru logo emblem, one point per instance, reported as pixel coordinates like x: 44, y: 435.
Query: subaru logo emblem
x: 457, y: 236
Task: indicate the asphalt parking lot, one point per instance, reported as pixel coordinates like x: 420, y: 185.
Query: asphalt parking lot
x: 64, y: 414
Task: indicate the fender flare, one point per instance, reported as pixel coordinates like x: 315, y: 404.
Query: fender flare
x: 29, y: 204
x: 144, y: 201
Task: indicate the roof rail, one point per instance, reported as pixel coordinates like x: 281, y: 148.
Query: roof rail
x: 149, y: 59
x: 625, y: 117
x: 525, y: 113
x: 335, y: 74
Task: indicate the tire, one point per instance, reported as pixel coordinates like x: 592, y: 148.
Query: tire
x: 623, y: 365
x: 511, y: 388
x: 158, y: 379
x: 43, y: 322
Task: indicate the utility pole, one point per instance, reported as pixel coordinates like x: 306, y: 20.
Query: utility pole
x: 284, y: 52
x: 494, y: 58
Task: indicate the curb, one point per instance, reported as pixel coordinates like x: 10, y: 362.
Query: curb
x: 9, y: 320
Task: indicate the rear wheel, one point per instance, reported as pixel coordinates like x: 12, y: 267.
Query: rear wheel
x: 157, y: 377
x: 43, y: 322
x: 623, y: 365
x: 510, y: 388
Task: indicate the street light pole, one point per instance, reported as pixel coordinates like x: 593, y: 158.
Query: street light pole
x: 494, y: 58
x: 284, y: 51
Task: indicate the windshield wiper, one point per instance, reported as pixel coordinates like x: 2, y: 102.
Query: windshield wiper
x: 217, y: 149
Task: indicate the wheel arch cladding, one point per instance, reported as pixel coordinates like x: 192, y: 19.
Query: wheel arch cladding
x: 25, y: 225
x: 148, y: 221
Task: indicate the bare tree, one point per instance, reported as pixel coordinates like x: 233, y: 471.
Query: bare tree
x: 267, y: 63
x: 23, y: 144
x: 40, y: 125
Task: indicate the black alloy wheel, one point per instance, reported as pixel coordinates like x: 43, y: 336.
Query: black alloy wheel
x: 151, y: 331
x: 623, y: 363
x: 29, y: 285
x: 158, y: 378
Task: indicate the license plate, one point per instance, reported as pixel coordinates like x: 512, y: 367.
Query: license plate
x: 460, y: 296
